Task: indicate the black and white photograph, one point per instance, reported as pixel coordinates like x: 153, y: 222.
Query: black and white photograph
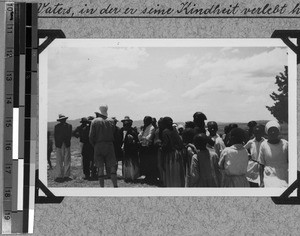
x: 171, y: 117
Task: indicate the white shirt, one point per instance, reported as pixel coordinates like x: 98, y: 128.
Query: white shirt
x: 219, y: 145
x: 146, y: 137
x: 253, y: 167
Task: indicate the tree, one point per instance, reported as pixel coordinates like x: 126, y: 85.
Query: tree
x: 280, y: 108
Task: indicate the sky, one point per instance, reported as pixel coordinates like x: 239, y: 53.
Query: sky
x: 228, y: 84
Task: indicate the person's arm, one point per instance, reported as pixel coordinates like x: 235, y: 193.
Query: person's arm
x: 261, y: 161
x: 247, y: 145
x: 70, y: 132
x: 56, y: 136
x: 92, y: 134
x: 194, y: 173
x: 219, y: 147
x: 150, y: 135
x: 261, y: 175
x: 222, y: 159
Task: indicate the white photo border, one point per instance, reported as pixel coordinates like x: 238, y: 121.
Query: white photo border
x: 136, y: 192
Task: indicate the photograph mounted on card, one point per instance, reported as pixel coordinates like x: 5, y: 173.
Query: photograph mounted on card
x: 167, y: 117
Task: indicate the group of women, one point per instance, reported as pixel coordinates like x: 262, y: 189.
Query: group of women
x: 191, y: 156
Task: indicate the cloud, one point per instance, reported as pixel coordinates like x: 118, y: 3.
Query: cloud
x: 235, y: 50
x: 269, y: 62
x: 235, y: 84
x: 236, y: 75
x: 131, y: 84
x: 152, y: 96
x: 180, y: 62
x: 229, y: 49
x: 92, y: 62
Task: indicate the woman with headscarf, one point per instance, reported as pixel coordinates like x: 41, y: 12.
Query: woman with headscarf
x: 173, y: 153
x: 157, y: 145
x: 148, y: 161
x: 129, y: 144
x: 273, y: 157
x: 187, y: 138
x: 234, y: 161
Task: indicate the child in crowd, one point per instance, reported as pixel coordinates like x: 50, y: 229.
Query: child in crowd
x: 204, y: 164
x: 234, y: 161
x: 253, y: 146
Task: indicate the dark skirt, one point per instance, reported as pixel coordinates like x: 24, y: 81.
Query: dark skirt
x: 130, y: 166
x: 174, y: 167
x: 148, y: 162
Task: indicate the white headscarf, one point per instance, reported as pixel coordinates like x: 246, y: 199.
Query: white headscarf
x: 270, y: 124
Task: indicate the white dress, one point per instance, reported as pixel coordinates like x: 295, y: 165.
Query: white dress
x: 275, y: 159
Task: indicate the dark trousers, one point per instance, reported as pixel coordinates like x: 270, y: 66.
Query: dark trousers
x: 253, y: 185
x: 89, y: 168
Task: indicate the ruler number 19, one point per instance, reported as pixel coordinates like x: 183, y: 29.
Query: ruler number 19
x: 7, y: 215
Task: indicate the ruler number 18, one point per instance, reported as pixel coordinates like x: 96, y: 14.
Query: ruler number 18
x: 7, y: 193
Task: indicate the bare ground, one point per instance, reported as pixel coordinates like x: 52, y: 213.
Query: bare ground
x: 77, y: 175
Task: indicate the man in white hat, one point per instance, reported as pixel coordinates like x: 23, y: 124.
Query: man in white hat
x: 62, y: 137
x: 102, y: 138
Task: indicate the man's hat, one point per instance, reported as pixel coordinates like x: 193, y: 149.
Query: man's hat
x: 126, y: 119
x: 115, y: 119
x: 103, y: 110
x: 83, y: 120
x: 91, y: 118
x: 61, y: 117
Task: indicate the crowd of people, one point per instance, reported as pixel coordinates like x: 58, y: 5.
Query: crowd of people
x: 172, y: 155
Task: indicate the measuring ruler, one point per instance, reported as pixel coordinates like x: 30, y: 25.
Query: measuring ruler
x: 20, y: 117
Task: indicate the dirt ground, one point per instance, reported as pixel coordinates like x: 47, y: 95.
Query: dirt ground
x: 77, y: 173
